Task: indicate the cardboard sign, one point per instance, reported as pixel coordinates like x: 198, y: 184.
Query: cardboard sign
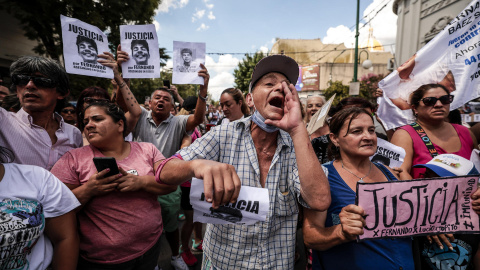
x: 141, y: 43
x: 418, y: 207
x: 252, y: 206
x: 187, y: 57
x: 452, y: 59
x: 82, y: 43
x: 388, y: 154
x: 318, y: 119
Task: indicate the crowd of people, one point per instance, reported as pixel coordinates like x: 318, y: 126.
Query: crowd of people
x: 59, y: 210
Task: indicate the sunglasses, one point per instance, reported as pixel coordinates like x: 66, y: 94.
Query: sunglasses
x: 68, y: 111
x: 90, y: 100
x: 431, y: 101
x: 21, y: 80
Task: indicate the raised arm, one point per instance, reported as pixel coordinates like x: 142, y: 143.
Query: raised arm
x: 314, y: 186
x: 199, y: 115
x: 176, y: 94
x: 402, y: 138
x: 133, y: 108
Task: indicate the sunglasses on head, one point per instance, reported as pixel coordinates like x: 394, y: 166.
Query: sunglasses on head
x: 21, y: 80
x: 68, y: 111
x: 431, y: 101
x: 89, y: 100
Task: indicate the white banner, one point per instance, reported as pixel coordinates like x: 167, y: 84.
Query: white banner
x: 82, y: 43
x: 251, y: 206
x: 141, y: 43
x: 452, y: 59
x: 187, y: 57
x: 388, y: 154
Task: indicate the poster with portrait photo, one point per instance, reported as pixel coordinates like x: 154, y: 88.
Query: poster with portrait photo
x: 141, y: 44
x: 82, y: 43
x: 187, y: 57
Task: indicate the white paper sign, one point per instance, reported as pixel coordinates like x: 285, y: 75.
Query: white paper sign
x: 187, y: 57
x: 141, y: 43
x: 388, y: 154
x: 82, y: 43
x: 252, y: 206
x: 451, y: 59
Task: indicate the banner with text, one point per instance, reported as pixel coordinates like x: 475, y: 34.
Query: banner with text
x: 141, y: 44
x: 388, y: 154
x: 82, y: 43
x: 451, y: 59
x: 251, y: 206
x: 418, y: 207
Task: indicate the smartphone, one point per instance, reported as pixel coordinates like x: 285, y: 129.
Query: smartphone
x: 166, y: 83
x: 101, y: 163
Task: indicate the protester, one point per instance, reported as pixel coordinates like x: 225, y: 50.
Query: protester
x: 189, y: 226
x: 36, y: 134
x: 68, y: 114
x: 256, y: 151
x: 36, y: 211
x: 462, y: 251
x: 166, y: 132
x: 233, y: 105
x: 314, y: 104
x: 431, y: 105
x: 120, y: 223
x: 332, y: 234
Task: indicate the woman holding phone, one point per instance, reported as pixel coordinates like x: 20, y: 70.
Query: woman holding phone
x: 120, y: 221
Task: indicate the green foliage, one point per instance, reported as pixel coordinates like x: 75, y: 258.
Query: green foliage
x: 243, y: 73
x: 40, y: 20
x: 368, y: 85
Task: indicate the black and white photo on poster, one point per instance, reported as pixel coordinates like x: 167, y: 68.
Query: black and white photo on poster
x: 187, y: 57
x: 251, y: 206
x: 82, y: 43
x: 141, y: 43
x: 388, y: 154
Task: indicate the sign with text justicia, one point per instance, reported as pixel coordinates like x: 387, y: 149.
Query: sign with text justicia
x: 418, y: 207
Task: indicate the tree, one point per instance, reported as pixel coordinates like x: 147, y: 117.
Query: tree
x: 368, y: 86
x: 336, y: 88
x: 243, y: 73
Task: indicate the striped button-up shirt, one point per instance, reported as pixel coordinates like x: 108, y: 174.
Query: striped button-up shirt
x: 31, y: 143
x: 264, y: 245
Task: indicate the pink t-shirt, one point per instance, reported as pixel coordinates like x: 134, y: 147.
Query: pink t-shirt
x: 421, y: 155
x: 119, y: 226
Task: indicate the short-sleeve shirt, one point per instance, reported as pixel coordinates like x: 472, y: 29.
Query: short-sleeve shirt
x: 264, y: 245
x: 118, y: 226
x: 31, y: 144
x: 167, y: 136
x: 29, y: 195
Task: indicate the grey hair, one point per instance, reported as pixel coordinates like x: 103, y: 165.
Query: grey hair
x: 321, y: 97
x: 48, y: 67
x: 164, y: 90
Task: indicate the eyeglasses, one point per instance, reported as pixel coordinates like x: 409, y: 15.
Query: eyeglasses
x: 431, y: 101
x: 68, y: 111
x: 38, y: 81
x: 89, y: 100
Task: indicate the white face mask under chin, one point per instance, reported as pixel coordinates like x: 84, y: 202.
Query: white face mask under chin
x: 258, y: 119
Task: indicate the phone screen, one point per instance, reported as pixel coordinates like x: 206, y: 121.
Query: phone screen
x: 102, y: 163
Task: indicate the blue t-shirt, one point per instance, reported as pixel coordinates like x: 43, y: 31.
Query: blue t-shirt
x: 371, y: 254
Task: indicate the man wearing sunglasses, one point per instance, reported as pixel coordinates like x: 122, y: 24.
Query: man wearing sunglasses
x: 37, y: 135
x: 68, y: 114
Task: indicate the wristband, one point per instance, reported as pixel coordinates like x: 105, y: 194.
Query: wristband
x: 203, y: 98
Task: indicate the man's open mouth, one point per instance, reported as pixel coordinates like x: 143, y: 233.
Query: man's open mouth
x: 276, y: 102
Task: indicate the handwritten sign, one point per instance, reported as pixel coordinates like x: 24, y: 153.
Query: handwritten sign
x: 251, y: 206
x: 141, y: 42
x: 418, y: 207
x: 82, y: 43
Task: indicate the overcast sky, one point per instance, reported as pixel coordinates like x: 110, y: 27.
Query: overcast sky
x: 232, y: 28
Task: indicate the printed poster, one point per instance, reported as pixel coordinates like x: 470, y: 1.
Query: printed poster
x: 187, y: 57
x: 388, y: 154
x: 82, y: 43
x: 418, y: 207
x: 141, y: 44
x: 451, y: 59
x: 251, y: 206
